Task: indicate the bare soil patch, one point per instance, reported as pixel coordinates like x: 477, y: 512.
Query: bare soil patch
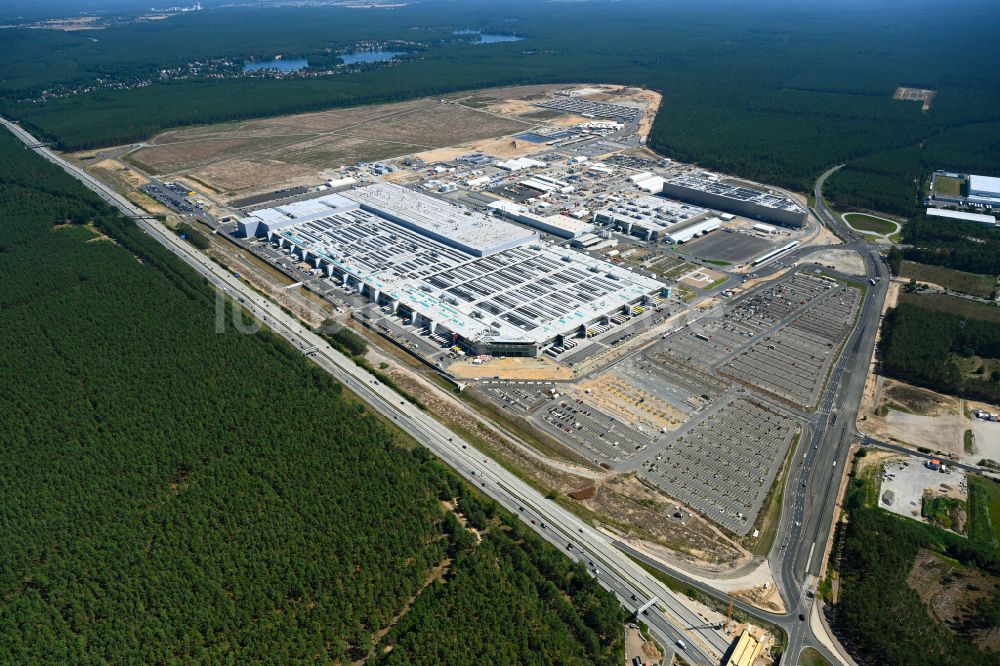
x: 270, y: 153
x: 950, y: 591
x: 845, y: 261
x: 537, y: 368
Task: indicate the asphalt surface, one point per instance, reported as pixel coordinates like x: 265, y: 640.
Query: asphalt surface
x: 820, y: 459
x: 670, y: 620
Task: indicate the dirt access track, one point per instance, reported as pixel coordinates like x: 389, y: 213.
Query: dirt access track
x: 243, y: 158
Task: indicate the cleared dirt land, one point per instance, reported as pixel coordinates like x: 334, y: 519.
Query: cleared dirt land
x: 264, y: 154
x: 245, y: 158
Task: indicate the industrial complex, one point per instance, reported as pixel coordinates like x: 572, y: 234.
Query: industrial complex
x: 487, y: 285
x: 706, y: 189
x: 658, y: 338
x: 964, y: 190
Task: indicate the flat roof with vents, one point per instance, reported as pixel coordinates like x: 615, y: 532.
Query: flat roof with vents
x: 472, y: 232
x: 532, y: 291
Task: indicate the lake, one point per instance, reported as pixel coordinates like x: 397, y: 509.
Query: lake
x: 280, y: 65
x: 369, y: 56
x: 488, y: 37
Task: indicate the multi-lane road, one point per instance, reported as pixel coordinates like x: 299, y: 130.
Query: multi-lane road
x: 811, y: 489
x: 820, y: 459
x: 669, y: 619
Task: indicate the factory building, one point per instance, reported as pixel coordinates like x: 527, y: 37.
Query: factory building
x: 984, y: 191
x: 709, y: 190
x: 964, y: 217
x: 683, y: 234
x: 468, y: 279
x: 558, y: 225
x: 471, y: 232
x: 648, y: 217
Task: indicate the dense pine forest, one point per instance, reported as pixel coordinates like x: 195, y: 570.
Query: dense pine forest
x: 921, y: 342
x: 776, y: 91
x: 173, y: 495
x: 880, y: 617
x: 964, y: 246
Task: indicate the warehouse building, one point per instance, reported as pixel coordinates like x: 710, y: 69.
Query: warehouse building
x: 984, y: 186
x: 469, y: 279
x: 684, y: 233
x: 984, y: 191
x: 709, y: 190
x: 648, y: 217
x: 558, y: 225
x: 964, y: 217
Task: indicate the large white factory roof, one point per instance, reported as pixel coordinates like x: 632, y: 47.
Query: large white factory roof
x: 959, y: 215
x: 560, y: 225
x: 987, y: 186
x: 473, y: 232
x: 529, y: 292
x: 652, y: 214
x: 696, y: 229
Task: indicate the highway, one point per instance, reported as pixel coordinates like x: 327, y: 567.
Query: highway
x: 815, y: 480
x: 670, y: 620
x: 820, y: 459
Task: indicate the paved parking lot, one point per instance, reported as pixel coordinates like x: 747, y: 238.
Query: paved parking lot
x: 585, y: 425
x: 680, y: 384
x: 707, y: 344
x: 904, y: 483
x: 516, y: 396
x: 792, y: 362
x: 724, y: 466
x: 728, y: 245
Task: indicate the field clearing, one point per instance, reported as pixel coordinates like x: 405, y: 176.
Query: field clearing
x: 953, y: 305
x: 949, y: 278
x: 922, y: 95
x: 949, y: 590
x: 984, y: 510
x: 260, y: 155
x: 948, y: 186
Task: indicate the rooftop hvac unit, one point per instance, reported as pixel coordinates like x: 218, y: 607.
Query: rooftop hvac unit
x: 567, y: 258
x: 595, y: 269
x: 613, y: 276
